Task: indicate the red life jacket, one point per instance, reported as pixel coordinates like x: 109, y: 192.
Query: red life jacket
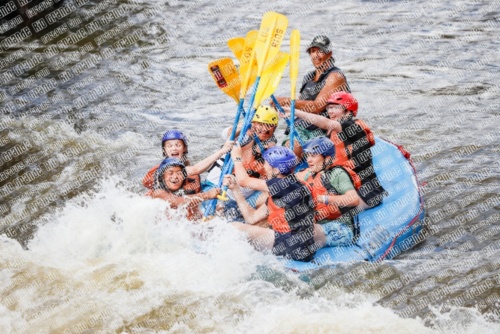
x: 322, y: 186
x: 280, y: 218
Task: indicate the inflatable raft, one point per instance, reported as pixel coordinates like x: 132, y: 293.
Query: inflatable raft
x: 388, y: 229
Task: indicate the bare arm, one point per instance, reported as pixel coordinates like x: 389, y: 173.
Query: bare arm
x: 204, y: 164
x: 320, y: 121
x: 237, y: 133
x: 241, y: 174
x: 252, y: 216
x: 349, y: 199
x: 261, y: 199
x: 189, y: 200
x: 335, y: 82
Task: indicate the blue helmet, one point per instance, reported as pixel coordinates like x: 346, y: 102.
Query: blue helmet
x: 319, y: 145
x: 282, y: 158
x: 171, y: 135
x: 164, y: 165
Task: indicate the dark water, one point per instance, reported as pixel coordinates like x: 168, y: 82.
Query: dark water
x: 85, y: 100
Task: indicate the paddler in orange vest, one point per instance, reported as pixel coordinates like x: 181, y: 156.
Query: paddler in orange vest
x: 352, y: 139
x: 174, y: 145
x: 171, y: 184
x: 289, y: 208
x: 335, y: 192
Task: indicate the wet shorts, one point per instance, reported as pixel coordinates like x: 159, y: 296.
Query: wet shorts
x: 298, y: 246
x: 337, y: 234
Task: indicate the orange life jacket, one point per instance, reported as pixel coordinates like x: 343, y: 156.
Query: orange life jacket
x: 254, y: 167
x: 280, y: 217
x: 322, y: 186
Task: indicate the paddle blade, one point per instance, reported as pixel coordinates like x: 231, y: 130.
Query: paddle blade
x: 248, y: 64
x: 271, y: 33
x: 236, y: 45
x: 226, y: 77
x: 271, y: 77
x: 294, y: 60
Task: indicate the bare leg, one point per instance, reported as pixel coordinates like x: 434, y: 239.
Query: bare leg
x: 319, y: 236
x: 261, y: 238
x: 362, y: 205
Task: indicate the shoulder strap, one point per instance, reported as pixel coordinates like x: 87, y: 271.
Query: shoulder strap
x: 367, y: 130
x: 355, y: 179
x: 325, y: 181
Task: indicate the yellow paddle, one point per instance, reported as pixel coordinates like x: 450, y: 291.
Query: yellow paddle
x: 226, y: 77
x: 236, y: 45
x: 271, y: 77
x: 294, y: 73
x: 248, y: 64
x: 269, y: 39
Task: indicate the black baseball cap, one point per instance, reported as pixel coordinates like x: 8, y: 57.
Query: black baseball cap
x: 322, y: 42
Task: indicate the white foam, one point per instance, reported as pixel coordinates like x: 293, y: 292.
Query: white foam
x: 114, y: 256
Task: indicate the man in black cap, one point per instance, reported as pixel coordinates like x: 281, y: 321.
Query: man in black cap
x: 316, y: 88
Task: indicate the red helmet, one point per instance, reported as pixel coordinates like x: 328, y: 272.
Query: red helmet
x: 344, y: 99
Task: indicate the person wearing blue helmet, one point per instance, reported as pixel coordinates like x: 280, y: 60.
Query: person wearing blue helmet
x: 334, y: 190
x: 289, y: 208
x: 171, y: 184
x: 174, y: 145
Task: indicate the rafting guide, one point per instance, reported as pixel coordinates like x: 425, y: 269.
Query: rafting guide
x: 313, y: 195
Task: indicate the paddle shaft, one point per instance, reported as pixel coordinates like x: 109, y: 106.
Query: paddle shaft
x: 213, y: 202
x: 288, y: 121
x: 292, y: 124
x: 246, y: 126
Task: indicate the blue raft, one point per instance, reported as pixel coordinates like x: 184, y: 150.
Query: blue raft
x: 388, y: 229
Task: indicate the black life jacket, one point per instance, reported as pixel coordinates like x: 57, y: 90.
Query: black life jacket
x: 310, y: 89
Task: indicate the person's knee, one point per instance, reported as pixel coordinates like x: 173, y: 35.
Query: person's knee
x: 264, y: 241
x: 319, y: 235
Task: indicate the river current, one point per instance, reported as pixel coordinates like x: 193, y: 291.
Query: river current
x: 89, y: 87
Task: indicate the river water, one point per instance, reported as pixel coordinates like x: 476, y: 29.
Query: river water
x: 85, y: 101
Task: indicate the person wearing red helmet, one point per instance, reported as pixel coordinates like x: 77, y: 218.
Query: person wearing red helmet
x: 174, y: 145
x: 289, y: 208
x: 316, y: 87
x: 352, y: 139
